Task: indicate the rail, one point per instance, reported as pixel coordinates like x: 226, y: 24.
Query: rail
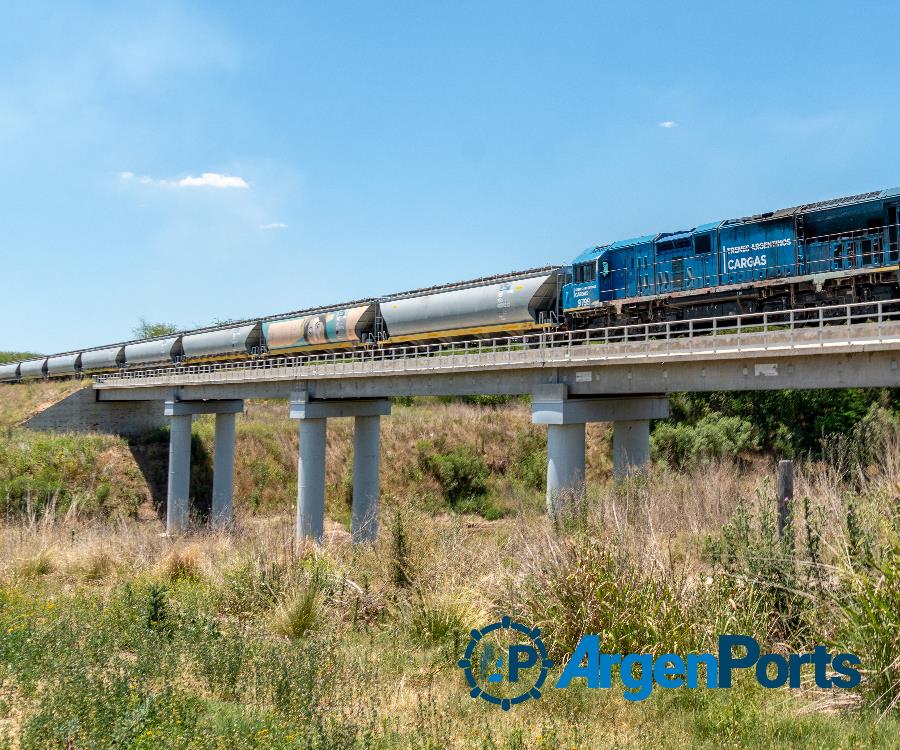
x: 796, y: 329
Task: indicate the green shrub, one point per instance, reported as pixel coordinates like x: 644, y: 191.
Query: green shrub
x: 253, y: 586
x: 302, y: 612
x: 589, y: 586
x: 790, y: 423
x: 440, y: 624
x: 869, y: 613
x: 42, y: 564
x: 158, y: 616
x: 298, y: 616
x: 530, y: 458
x: 50, y: 473
x: 460, y: 471
x: 751, y: 549
x: 713, y: 436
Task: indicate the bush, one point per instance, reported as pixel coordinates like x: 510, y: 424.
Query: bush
x: 751, y: 550
x: 787, y: 422
x: 461, y: 473
x: 44, y: 474
x: 588, y: 586
x: 869, y: 607
x: 301, y: 614
x: 530, y: 458
x: 713, y: 436
x: 441, y: 622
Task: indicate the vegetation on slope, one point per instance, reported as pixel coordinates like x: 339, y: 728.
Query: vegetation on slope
x: 15, y: 356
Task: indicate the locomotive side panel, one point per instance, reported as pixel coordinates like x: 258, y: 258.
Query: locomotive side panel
x: 757, y: 251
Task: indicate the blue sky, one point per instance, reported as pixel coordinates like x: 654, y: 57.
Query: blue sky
x: 356, y: 149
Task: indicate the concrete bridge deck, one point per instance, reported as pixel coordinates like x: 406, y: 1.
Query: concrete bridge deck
x: 841, y: 346
x: 620, y: 375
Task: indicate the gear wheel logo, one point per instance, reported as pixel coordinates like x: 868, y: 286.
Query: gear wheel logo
x: 506, y: 663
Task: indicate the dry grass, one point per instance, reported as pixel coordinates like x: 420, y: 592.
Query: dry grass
x: 21, y: 400
x: 463, y: 572
x: 228, y: 605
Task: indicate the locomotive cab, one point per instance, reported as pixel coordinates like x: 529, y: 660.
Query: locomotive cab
x: 584, y: 278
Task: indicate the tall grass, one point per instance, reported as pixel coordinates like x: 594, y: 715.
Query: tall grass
x: 112, y: 635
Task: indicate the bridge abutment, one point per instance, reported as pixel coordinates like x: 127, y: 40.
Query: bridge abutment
x: 566, y: 418
x: 181, y: 416
x: 313, y: 416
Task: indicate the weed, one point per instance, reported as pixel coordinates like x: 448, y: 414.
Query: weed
x: 400, y: 564
x: 42, y: 564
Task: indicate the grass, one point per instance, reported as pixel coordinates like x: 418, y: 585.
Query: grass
x: 15, y: 356
x: 262, y: 645
x: 112, y: 635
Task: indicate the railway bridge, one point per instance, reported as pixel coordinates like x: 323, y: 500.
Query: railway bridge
x: 621, y: 375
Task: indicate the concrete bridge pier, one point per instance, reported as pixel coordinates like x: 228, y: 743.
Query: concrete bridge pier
x: 565, y: 464
x: 566, y: 418
x: 313, y: 416
x: 310, y: 520
x: 366, y: 477
x: 223, y: 471
x: 181, y: 416
x: 631, y: 446
x: 179, y: 488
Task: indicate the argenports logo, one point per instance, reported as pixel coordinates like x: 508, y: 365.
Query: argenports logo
x: 506, y: 663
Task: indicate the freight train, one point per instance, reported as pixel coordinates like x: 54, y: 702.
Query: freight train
x: 827, y: 253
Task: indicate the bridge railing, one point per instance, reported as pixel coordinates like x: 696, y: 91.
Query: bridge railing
x: 859, y: 322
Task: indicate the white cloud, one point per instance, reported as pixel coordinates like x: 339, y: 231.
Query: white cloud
x: 213, y: 179
x: 275, y: 225
x: 668, y: 124
x: 207, y: 179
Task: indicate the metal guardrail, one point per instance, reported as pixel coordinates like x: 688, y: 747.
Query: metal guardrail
x: 797, y: 329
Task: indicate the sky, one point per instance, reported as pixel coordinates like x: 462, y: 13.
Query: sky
x: 186, y: 162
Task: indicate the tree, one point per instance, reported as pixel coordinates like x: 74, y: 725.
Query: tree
x: 146, y: 330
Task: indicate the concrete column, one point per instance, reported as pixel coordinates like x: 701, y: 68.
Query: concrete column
x: 366, y: 488
x: 311, y: 480
x: 565, y: 464
x: 223, y: 471
x: 631, y: 446
x: 178, y: 499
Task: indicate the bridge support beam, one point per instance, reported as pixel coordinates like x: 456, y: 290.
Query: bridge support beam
x: 181, y: 415
x: 313, y: 416
x: 566, y: 418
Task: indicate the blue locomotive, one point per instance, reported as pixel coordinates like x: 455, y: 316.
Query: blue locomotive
x: 832, y: 252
